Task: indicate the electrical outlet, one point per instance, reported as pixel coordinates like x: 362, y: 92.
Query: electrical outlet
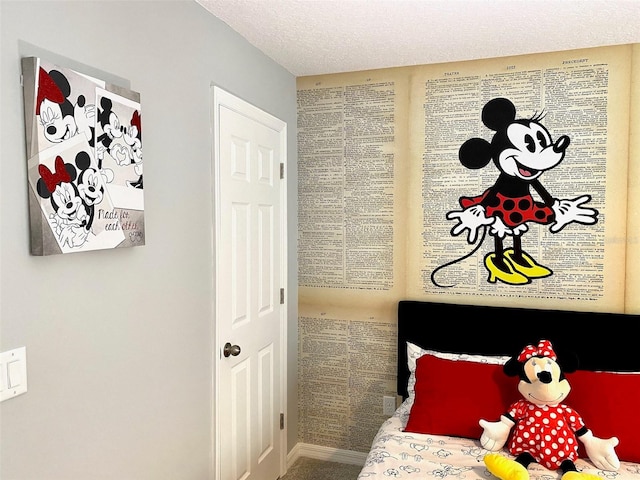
x: 388, y: 405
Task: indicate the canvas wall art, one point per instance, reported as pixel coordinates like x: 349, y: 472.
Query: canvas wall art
x: 84, y: 157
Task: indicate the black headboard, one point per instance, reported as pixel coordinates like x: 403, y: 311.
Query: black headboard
x: 602, y: 341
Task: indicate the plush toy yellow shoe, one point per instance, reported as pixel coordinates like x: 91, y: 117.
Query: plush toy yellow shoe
x: 505, y: 468
x: 580, y: 476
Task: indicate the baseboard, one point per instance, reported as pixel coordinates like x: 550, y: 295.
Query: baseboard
x: 325, y: 453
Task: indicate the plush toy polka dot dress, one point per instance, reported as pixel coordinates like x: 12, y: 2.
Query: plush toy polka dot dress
x: 545, y: 432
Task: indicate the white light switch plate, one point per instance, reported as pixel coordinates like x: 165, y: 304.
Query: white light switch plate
x: 13, y: 373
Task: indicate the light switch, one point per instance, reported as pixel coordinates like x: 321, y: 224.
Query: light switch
x: 13, y: 373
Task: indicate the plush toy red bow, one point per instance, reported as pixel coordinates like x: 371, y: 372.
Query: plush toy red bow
x: 543, y: 349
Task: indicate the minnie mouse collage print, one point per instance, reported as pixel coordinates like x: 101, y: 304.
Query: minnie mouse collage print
x: 86, y: 168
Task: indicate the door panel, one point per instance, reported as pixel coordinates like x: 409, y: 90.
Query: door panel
x: 250, y: 270
x: 241, y: 421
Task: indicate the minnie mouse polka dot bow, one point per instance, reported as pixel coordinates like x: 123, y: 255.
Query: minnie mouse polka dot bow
x: 543, y: 349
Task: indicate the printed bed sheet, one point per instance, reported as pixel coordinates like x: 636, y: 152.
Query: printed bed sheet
x: 399, y: 454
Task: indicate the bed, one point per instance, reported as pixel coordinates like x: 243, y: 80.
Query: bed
x: 448, y: 353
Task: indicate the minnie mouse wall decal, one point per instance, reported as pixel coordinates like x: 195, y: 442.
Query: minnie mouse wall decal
x: 522, y: 150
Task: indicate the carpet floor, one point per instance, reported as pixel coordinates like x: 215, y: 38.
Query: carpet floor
x: 306, y: 468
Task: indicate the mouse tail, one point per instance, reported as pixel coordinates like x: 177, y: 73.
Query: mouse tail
x: 460, y: 259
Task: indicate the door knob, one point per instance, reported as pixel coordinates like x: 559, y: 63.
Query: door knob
x: 231, y: 350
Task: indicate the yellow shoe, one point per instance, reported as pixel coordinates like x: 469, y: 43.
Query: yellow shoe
x: 511, y: 277
x: 579, y: 476
x: 507, y: 469
x: 533, y: 270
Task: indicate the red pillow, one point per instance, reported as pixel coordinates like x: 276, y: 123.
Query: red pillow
x: 608, y: 403
x: 451, y: 396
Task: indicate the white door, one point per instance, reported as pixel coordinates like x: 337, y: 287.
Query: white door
x: 249, y: 388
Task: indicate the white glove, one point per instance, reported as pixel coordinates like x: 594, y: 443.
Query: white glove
x: 520, y: 229
x: 601, y: 451
x: 85, y: 117
x: 495, y: 434
x: 470, y: 219
x: 500, y: 229
x: 568, y: 211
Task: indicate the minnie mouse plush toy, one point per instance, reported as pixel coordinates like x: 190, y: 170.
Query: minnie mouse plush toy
x: 546, y: 430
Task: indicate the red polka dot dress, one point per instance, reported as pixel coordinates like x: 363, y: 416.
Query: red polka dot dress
x: 513, y: 211
x: 546, y: 432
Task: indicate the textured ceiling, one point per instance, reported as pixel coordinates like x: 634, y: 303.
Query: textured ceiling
x: 311, y: 37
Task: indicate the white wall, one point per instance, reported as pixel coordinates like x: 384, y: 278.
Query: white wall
x: 119, y: 341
